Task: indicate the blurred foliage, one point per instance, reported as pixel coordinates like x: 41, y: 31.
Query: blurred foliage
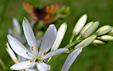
x: 93, y: 58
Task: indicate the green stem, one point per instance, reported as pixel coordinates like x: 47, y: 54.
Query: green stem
x: 71, y: 38
x: 68, y: 46
x: 73, y: 43
x: 2, y: 64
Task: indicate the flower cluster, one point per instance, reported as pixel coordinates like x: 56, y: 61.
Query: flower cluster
x: 40, y: 52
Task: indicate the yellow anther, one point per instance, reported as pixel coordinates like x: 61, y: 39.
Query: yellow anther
x: 41, y: 61
x: 26, y: 52
x: 31, y: 61
x: 16, y: 60
x: 32, y: 48
x: 44, y: 52
x: 41, y: 48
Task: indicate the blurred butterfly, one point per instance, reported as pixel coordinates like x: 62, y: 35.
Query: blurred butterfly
x: 45, y: 14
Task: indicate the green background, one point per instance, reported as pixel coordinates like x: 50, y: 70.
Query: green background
x: 92, y: 58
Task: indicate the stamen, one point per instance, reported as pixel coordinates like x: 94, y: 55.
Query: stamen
x: 31, y: 61
x: 32, y: 48
x: 41, y: 61
x: 44, y: 52
x: 41, y: 48
x: 26, y: 52
x: 16, y: 60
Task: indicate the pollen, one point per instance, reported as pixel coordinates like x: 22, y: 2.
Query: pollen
x: 16, y: 60
x: 31, y: 61
x: 26, y: 52
x: 41, y: 48
x: 32, y: 48
x: 44, y: 52
x: 41, y: 61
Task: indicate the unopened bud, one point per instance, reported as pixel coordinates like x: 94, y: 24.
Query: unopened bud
x: 98, y: 42
x: 86, y: 42
x: 79, y: 25
x: 103, y: 30
x: 106, y: 38
x: 60, y: 35
x: 111, y: 32
x: 90, y: 29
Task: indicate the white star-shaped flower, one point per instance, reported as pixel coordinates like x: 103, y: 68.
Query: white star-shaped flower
x: 35, y: 56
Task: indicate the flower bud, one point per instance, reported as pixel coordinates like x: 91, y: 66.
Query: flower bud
x: 90, y: 29
x: 79, y: 25
x: 86, y: 42
x: 86, y: 27
x: 106, y: 38
x: 103, y: 30
x: 60, y: 35
x: 111, y: 32
x: 98, y: 42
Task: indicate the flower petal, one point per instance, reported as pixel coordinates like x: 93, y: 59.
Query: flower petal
x: 29, y: 35
x: 16, y: 24
x: 11, y: 53
x: 55, y: 52
x: 21, y: 65
x: 70, y: 59
x: 18, y: 47
x: 60, y: 35
x: 43, y: 67
x: 48, y: 38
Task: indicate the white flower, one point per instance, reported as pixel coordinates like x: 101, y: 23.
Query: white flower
x: 35, y: 56
x: 71, y: 58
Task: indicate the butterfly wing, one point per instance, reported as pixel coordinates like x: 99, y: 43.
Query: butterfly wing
x: 30, y: 9
x: 52, y: 8
x: 48, y: 11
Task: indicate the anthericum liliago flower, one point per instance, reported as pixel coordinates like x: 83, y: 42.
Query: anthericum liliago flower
x: 34, y: 56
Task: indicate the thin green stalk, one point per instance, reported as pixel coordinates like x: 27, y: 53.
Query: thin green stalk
x: 68, y: 46
x: 72, y: 37
x: 2, y: 64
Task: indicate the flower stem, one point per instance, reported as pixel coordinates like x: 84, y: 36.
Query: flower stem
x: 2, y: 64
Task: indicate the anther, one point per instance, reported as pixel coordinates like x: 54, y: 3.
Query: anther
x: 26, y: 52
x: 31, y: 61
x: 32, y: 48
x: 44, y: 52
x: 41, y: 48
x: 41, y: 61
x: 16, y: 60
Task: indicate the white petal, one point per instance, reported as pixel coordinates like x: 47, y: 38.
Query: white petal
x: 32, y: 23
x: 10, y: 31
x: 16, y: 24
x: 31, y: 70
x: 21, y: 65
x: 43, y: 67
x: 22, y: 39
x: 11, y: 53
x: 48, y: 38
x: 70, y: 59
x: 18, y: 47
x: 60, y: 35
x: 55, y: 52
x: 29, y: 35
